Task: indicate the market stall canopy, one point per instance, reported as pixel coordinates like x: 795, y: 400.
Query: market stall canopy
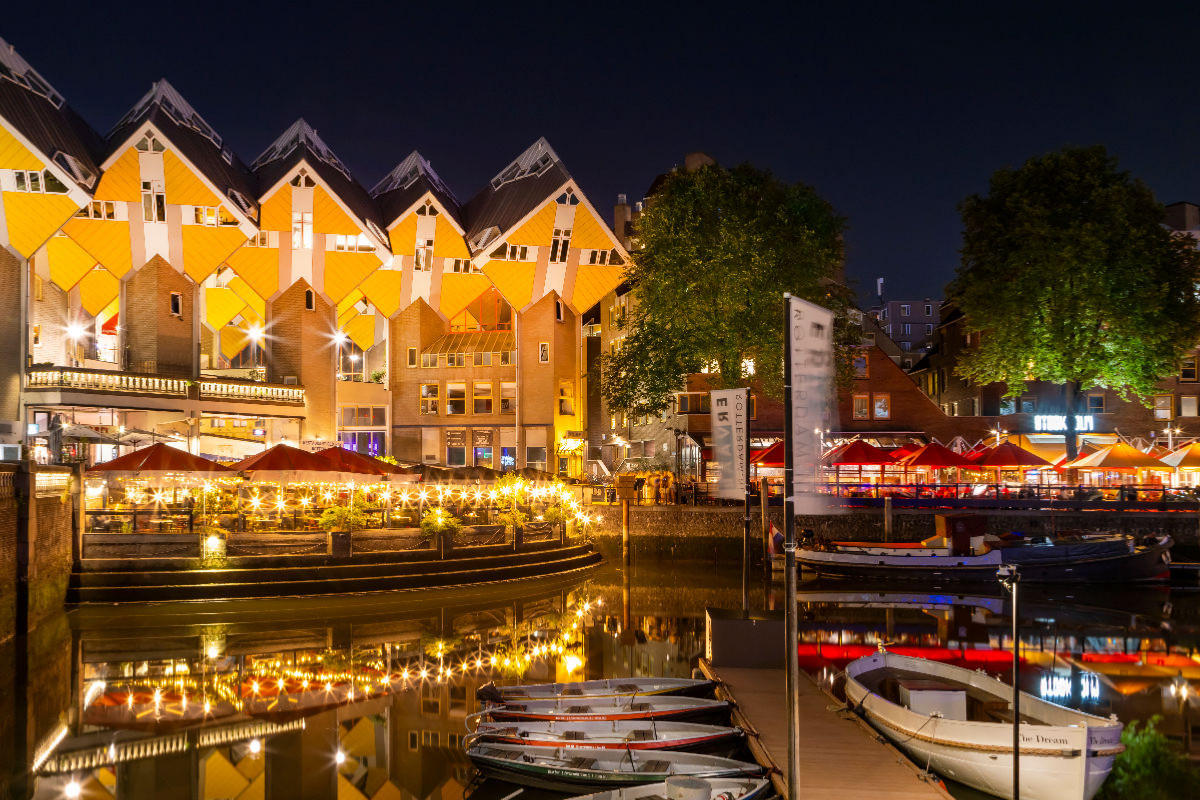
x: 283, y: 464
x: 935, y: 456
x: 1010, y: 455
x: 159, y: 459
x: 1186, y: 457
x: 474, y: 474
x: 1119, y: 456
x: 857, y: 453
x: 350, y: 461
x: 83, y: 433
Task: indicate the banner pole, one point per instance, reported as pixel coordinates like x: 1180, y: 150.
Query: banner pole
x: 746, y: 520
x: 791, y: 624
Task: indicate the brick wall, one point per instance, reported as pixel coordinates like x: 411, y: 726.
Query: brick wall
x: 158, y: 340
x: 8, y: 553
x: 50, y: 554
x: 10, y: 336
x: 300, y: 343
x: 50, y: 316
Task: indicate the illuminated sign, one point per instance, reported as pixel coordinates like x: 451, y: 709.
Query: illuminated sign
x: 1058, y: 687
x: 1051, y: 423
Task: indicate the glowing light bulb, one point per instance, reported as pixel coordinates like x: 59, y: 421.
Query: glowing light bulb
x: 255, y: 333
x: 255, y: 746
x: 73, y: 789
x: 340, y: 758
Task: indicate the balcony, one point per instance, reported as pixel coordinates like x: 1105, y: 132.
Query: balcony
x: 108, y: 381
x: 95, y: 380
x: 251, y: 390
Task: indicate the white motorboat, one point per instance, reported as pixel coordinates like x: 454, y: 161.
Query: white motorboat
x: 719, y: 789
x: 959, y: 723
x: 583, y: 709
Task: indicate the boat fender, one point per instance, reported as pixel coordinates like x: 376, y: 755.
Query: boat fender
x: 488, y: 693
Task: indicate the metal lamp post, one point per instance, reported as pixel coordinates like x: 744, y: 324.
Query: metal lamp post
x: 1009, y: 577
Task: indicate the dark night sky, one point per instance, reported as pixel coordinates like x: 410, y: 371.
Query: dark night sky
x: 894, y: 114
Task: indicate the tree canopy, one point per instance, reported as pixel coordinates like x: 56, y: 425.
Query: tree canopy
x: 715, y: 250
x: 1070, y: 277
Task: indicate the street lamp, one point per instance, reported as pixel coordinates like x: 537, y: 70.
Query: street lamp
x: 1181, y: 690
x: 997, y: 432
x: 1009, y: 577
x: 1170, y: 432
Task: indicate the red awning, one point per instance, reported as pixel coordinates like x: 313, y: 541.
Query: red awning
x: 350, y: 461
x: 158, y: 458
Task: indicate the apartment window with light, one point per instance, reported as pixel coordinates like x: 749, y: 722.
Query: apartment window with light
x: 39, y: 288
x: 481, y: 359
x: 508, y: 397
x: 560, y: 245
x: 154, y: 202
x: 544, y: 352
x: 38, y: 182
x: 1163, y: 406
x: 1187, y: 369
x: 881, y: 406
x: 98, y: 209
x: 456, y: 398
x: 481, y: 398
x: 462, y: 265
x: 259, y: 239
x: 566, y: 399
x: 429, y: 360
x: 37, y: 335
x: 302, y: 230
x: 429, y: 398
x: 862, y: 406
x: 351, y: 361
x: 456, y: 359
x: 351, y: 243
x: 905, y: 309
x: 1188, y: 406
x: 424, y: 254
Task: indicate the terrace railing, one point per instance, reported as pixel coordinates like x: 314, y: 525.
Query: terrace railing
x: 97, y: 380
x: 229, y: 389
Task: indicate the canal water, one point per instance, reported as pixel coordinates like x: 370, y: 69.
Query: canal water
x: 366, y: 696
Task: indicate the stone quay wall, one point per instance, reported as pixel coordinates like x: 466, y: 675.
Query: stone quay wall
x: 700, y: 531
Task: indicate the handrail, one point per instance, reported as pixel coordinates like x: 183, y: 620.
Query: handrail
x: 252, y: 390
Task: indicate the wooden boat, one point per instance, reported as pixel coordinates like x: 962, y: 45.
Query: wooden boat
x: 566, y: 769
x: 607, y: 688
x: 1099, y: 558
x: 959, y: 722
x: 720, y: 789
x: 582, y: 709
x: 628, y: 735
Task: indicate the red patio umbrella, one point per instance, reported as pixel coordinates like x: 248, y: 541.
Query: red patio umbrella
x: 770, y: 457
x: 350, y: 461
x: 158, y: 459
x: 283, y: 463
x: 1010, y: 455
x: 935, y: 456
x: 856, y: 453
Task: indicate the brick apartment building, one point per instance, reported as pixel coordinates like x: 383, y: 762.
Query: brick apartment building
x: 160, y: 286
x: 908, y: 323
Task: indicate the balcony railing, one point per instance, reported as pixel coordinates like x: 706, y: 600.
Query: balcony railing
x: 105, y: 381
x: 251, y: 390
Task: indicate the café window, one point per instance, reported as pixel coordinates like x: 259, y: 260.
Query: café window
x: 881, y: 406
x: 456, y: 398
x: 368, y: 443
x: 860, y: 367
x: 429, y: 398
x: 1164, y: 406
x: 862, y: 406
x: 1188, y: 406
x: 1095, y: 404
x: 1187, y: 369
x: 482, y: 398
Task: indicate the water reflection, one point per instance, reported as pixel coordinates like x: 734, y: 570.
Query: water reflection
x: 367, y: 696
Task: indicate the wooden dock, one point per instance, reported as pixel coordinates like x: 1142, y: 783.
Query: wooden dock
x: 840, y: 755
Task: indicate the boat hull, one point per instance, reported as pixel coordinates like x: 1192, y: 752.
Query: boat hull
x: 1144, y: 564
x: 678, y: 687
x: 1058, y: 762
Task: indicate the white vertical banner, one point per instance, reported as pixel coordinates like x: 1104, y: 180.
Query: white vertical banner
x: 730, y: 410
x: 810, y: 337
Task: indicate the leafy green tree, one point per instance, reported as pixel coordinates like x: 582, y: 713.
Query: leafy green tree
x: 1069, y: 276
x: 716, y: 250
x: 1149, y: 769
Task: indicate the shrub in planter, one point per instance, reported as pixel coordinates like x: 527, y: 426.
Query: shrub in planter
x: 343, y: 518
x: 438, y: 521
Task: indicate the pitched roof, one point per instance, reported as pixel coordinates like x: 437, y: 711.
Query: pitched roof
x: 407, y: 183
x: 301, y: 142
x: 194, y: 138
x: 32, y: 106
x: 516, y: 190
